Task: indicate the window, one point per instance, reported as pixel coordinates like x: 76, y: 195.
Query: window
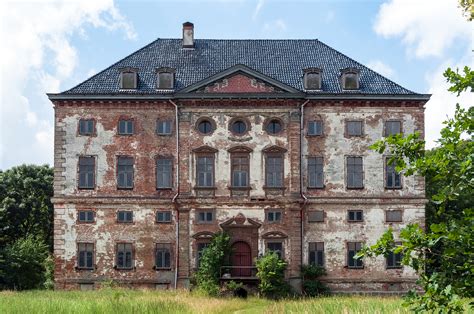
x: 125, y: 216
x: 392, y: 177
x: 205, y: 126
x: 164, y: 171
x: 200, y: 250
x: 240, y: 170
x: 352, y: 249
x: 355, y: 173
x: 124, y: 256
x: 239, y: 127
x: 128, y: 78
x: 163, y: 256
x: 393, y: 127
x: 86, y: 126
x: 274, y: 171
x: 85, y: 216
x: 86, y: 173
x: 350, y: 78
x: 394, y: 260
x: 125, y: 127
x: 316, y: 253
x: 354, y: 128
x: 274, y: 126
x: 273, y: 216
x: 125, y: 172
x: 315, y: 127
x: 316, y: 216
x: 205, y: 216
x: 393, y: 215
x: 315, y: 172
x: 355, y: 215
x: 165, y: 78
x: 85, y: 253
x: 163, y: 216
x: 205, y: 171
x: 312, y: 78
x: 163, y: 127
x: 276, y: 247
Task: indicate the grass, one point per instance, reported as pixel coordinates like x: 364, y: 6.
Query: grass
x: 142, y: 301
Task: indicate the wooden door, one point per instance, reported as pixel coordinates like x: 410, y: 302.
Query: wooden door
x: 241, y: 256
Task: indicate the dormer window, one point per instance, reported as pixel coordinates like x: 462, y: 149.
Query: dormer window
x: 350, y: 78
x: 312, y: 79
x: 128, y: 78
x: 165, y: 78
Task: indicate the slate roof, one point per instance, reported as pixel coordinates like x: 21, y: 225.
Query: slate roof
x: 282, y: 60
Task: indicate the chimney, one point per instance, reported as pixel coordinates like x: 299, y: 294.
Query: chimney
x: 188, y: 35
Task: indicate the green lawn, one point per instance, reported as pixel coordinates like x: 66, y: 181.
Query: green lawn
x: 137, y: 301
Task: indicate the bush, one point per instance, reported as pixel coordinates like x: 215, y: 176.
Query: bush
x: 311, y: 285
x: 213, y: 258
x: 271, y: 272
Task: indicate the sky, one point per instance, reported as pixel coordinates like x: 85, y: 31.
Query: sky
x: 51, y: 46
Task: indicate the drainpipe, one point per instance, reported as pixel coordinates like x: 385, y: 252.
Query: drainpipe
x: 175, y: 197
x: 301, y: 175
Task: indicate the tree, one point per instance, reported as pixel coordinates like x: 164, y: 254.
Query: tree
x: 443, y: 254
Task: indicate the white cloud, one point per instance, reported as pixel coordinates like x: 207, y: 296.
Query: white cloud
x: 382, y: 68
x: 259, y: 6
x: 275, y: 27
x: 443, y: 103
x: 37, y: 54
x: 427, y: 27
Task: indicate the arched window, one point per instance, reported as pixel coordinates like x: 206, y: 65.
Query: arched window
x: 312, y: 78
x: 350, y: 78
x: 128, y: 78
x: 165, y: 78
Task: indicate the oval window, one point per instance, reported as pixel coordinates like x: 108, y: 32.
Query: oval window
x: 205, y: 127
x: 274, y: 126
x: 239, y: 127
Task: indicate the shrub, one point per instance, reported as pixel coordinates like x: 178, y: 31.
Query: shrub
x: 311, y: 285
x: 271, y: 272
x: 213, y: 258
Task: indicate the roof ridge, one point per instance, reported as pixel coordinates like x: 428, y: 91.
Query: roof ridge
x: 346, y: 56
x: 107, y: 68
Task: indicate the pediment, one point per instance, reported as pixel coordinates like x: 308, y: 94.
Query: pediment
x: 240, y: 221
x: 239, y: 79
x: 274, y: 235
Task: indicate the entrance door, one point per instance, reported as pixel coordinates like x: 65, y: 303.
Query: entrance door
x: 241, y: 256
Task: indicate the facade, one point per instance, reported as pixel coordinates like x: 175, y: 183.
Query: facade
x: 265, y: 139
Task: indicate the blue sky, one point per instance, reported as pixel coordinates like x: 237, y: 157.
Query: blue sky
x: 52, y: 46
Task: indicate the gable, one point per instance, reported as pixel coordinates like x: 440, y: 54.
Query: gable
x: 239, y: 83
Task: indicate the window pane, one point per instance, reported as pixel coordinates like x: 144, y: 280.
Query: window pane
x: 354, y: 128
x: 274, y: 126
x: 315, y: 128
x: 128, y: 80
x: 86, y: 172
x: 165, y: 80
x: 392, y: 127
x: 313, y: 81
x: 350, y: 81
x: 354, y: 172
x: 239, y: 127
x: 205, y: 127
x: 315, y: 172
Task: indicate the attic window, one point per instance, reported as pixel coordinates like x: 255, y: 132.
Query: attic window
x: 128, y: 78
x: 312, y: 79
x: 165, y: 78
x: 350, y: 79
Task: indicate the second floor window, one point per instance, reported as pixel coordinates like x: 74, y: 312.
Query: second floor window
x: 355, y: 215
x: 354, y: 128
x: 85, y: 255
x: 86, y: 126
x: 240, y: 170
x: 205, y: 216
x: 125, y: 172
x: 125, y: 216
x: 124, y: 256
x: 392, y: 177
x: 205, y: 171
x: 125, y: 127
x: 355, y: 173
x: 274, y: 216
x: 164, y: 170
x: 274, y: 171
x: 315, y: 127
x: 163, y: 216
x: 85, y: 216
x: 163, y: 127
x: 393, y: 127
x: 352, y: 249
x: 86, y: 173
x: 315, y: 172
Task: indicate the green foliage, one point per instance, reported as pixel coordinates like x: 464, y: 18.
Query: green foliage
x: 49, y: 272
x: 214, y: 256
x: 467, y: 8
x: 233, y: 286
x: 24, y: 266
x: 443, y: 255
x: 312, y: 286
x: 271, y: 272
x: 25, y: 203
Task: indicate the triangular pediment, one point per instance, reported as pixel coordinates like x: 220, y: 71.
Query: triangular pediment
x: 239, y: 79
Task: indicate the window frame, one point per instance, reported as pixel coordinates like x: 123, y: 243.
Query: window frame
x: 94, y: 170
x: 167, y: 71
x: 271, y: 120
x: 92, y: 133
x: 348, y: 252
x: 391, y: 211
x: 205, y: 119
x: 276, y: 241
x: 127, y: 187
x: 132, y: 257
x: 211, y: 157
x: 394, y: 175
x: 273, y: 155
x: 354, y: 187
x: 312, y: 71
x: 169, y: 248
x: 206, y: 212
x: 171, y: 172
x: 243, y: 120
x: 356, y: 212
x: 392, y: 257
x: 78, y: 220
x: 161, y: 121
x: 128, y: 70
x: 275, y: 213
x: 308, y: 178
x: 320, y: 121
x: 126, y: 133
x: 78, y: 255
x: 385, y: 130
x: 201, y: 242
x: 316, y: 250
x: 362, y: 127
x: 233, y: 167
x: 126, y: 212
x: 164, y: 212
x: 350, y: 71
